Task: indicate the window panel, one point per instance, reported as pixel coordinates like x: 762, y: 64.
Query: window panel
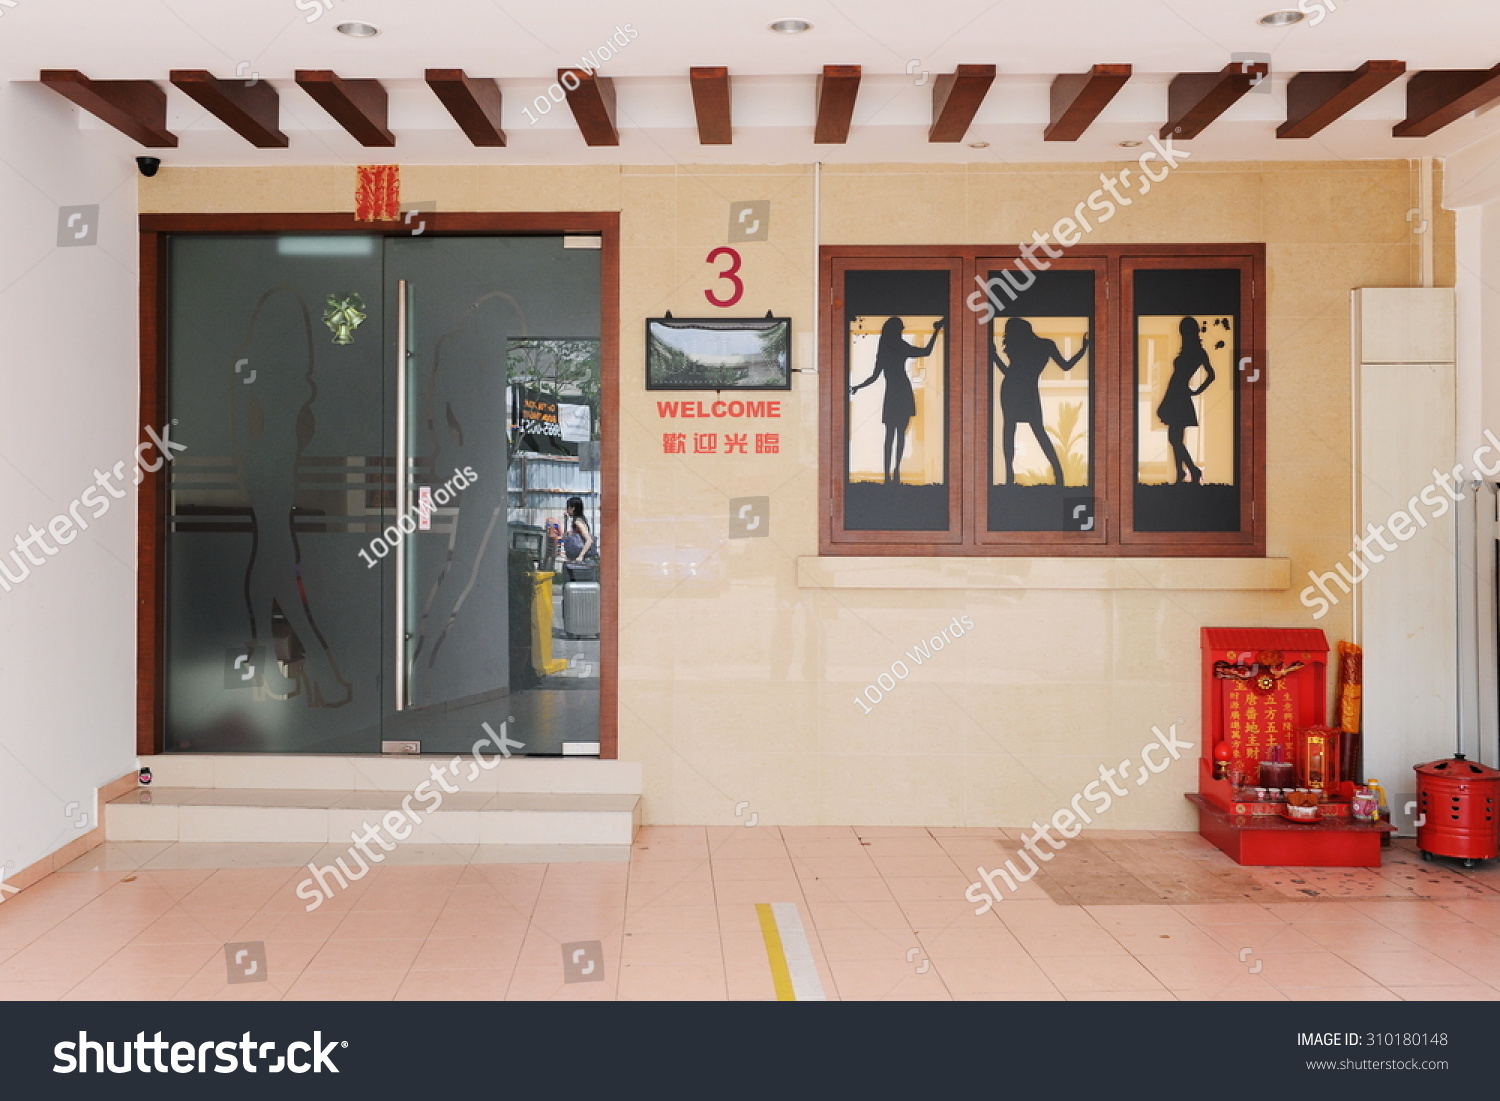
x: 1187, y: 344
x: 896, y: 386
x: 1041, y: 375
x: 1095, y: 407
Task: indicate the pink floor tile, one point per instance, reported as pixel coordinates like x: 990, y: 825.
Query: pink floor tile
x: 468, y: 953
x: 1416, y: 968
x: 1320, y: 912
x: 1179, y: 942
x: 345, y: 986
x: 348, y: 956
x: 972, y: 943
x: 385, y: 924
x: 1227, y: 913
x: 672, y: 919
x: 1121, y: 996
x: 137, y: 960
x: 1311, y: 969
x: 35, y: 990
x: 1396, y: 912
x: 126, y: 988
x: 1013, y: 975
x: 866, y: 944
x: 834, y: 867
x: 683, y: 982
x: 865, y: 980
x: 454, y: 986
x: 1447, y: 993
x: 545, y: 983
x: 756, y: 869
x: 1073, y: 975
x: 671, y: 949
x: 1339, y: 994
x: 1069, y: 942
x: 869, y: 914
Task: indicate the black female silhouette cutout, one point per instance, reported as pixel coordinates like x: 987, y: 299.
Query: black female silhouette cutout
x: 273, y: 424
x: 900, y: 403
x: 1176, y: 410
x: 1020, y: 388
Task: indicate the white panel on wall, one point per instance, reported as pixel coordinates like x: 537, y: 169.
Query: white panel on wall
x: 1404, y: 324
x: 1407, y: 603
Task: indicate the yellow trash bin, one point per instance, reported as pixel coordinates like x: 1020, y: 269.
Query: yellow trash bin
x: 541, y: 626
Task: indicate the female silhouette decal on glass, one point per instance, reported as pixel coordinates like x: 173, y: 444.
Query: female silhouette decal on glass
x: 1020, y: 388
x: 273, y: 425
x: 1177, y: 410
x: 1187, y: 409
x: 900, y: 402
x: 895, y: 435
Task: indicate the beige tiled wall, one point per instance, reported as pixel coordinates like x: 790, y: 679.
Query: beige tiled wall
x: 736, y: 684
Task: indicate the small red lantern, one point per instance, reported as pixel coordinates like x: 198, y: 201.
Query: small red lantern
x: 1222, y: 756
x: 1318, y: 758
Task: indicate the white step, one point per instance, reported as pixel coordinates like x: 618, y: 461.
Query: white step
x: 529, y: 805
x: 283, y: 815
x: 343, y: 773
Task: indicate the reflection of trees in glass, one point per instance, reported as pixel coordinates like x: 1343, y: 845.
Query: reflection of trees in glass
x: 565, y: 370
x: 671, y: 364
x: 773, y: 345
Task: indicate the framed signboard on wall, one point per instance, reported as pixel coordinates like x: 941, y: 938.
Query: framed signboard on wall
x: 714, y: 353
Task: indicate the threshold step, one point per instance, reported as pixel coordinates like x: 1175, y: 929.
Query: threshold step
x: 180, y: 814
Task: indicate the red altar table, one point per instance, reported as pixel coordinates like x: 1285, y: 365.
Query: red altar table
x: 1260, y: 687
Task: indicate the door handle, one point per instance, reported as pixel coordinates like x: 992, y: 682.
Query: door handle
x: 400, y: 495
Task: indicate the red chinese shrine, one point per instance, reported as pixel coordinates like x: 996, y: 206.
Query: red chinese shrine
x: 1270, y: 787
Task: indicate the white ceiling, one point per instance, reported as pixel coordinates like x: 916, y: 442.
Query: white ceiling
x: 523, y: 45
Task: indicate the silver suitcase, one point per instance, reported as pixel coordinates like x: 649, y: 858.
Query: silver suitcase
x: 580, y: 607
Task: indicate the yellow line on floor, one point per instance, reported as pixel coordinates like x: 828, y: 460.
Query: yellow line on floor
x: 781, y: 975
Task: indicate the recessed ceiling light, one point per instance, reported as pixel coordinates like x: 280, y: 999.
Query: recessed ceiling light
x: 979, y: 145
x: 790, y: 26
x: 1281, y: 18
x: 359, y: 30
x: 1129, y: 144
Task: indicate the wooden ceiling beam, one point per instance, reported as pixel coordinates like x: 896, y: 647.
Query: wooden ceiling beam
x: 252, y: 110
x: 711, y: 104
x: 1195, y: 99
x: 1077, y: 99
x: 136, y: 108
x: 1316, y: 100
x: 359, y: 106
x: 473, y: 101
x: 592, y: 101
x: 1439, y: 96
x: 956, y: 97
x: 838, y: 88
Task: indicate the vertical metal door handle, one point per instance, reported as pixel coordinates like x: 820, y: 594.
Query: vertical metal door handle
x: 401, y: 493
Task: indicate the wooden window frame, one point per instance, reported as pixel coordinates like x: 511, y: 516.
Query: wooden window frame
x: 1113, y: 428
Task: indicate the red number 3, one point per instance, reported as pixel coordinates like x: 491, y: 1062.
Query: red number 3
x: 727, y: 273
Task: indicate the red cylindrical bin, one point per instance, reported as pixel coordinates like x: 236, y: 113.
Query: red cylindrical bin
x: 1458, y: 804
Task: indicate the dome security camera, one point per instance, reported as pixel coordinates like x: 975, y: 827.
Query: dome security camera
x: 148, y: 165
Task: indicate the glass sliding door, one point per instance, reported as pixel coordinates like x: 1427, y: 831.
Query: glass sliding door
x: 347, y: 562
